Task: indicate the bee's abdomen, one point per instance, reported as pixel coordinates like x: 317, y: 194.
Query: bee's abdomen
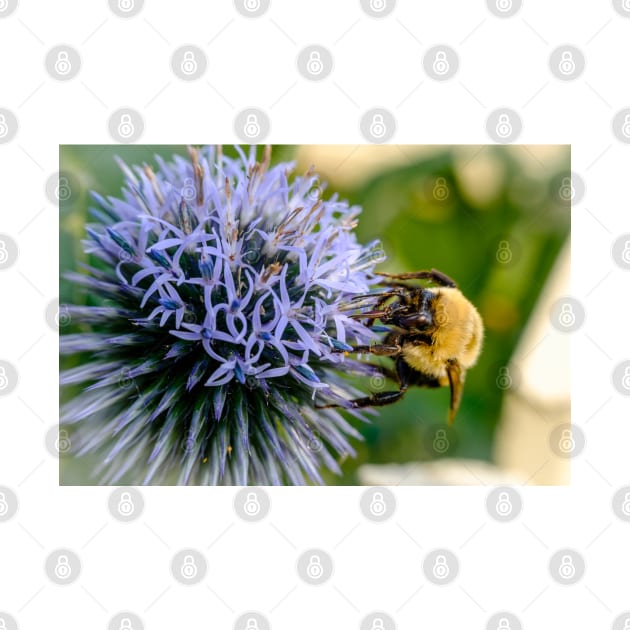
x: 420, y: 358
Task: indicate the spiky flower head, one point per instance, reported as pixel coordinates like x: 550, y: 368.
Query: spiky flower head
x: 217, y: 291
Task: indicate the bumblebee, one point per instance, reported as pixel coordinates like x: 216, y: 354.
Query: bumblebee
x: 434, y: 335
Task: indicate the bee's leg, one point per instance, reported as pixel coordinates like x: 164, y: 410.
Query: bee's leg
x: 378, y: 312
x: 379, y: 349
x: 434, y: 275
x: 381, y: 399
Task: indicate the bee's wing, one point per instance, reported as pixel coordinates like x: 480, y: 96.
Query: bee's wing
x: 456, y: 379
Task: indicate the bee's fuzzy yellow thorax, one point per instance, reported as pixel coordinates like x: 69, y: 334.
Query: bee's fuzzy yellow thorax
x: 459, y: 329
x: 458, y: 334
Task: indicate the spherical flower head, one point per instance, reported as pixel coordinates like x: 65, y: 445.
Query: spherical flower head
x: 218, y: 295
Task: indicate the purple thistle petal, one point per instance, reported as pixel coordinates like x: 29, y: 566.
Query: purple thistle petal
x: 224, y: 319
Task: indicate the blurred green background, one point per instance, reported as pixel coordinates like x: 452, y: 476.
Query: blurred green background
x: 494, y: 218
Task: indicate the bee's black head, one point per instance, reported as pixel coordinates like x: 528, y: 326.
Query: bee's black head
x: 420, y: 314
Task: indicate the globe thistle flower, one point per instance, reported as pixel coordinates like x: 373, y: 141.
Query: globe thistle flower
x: 216, y: 317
